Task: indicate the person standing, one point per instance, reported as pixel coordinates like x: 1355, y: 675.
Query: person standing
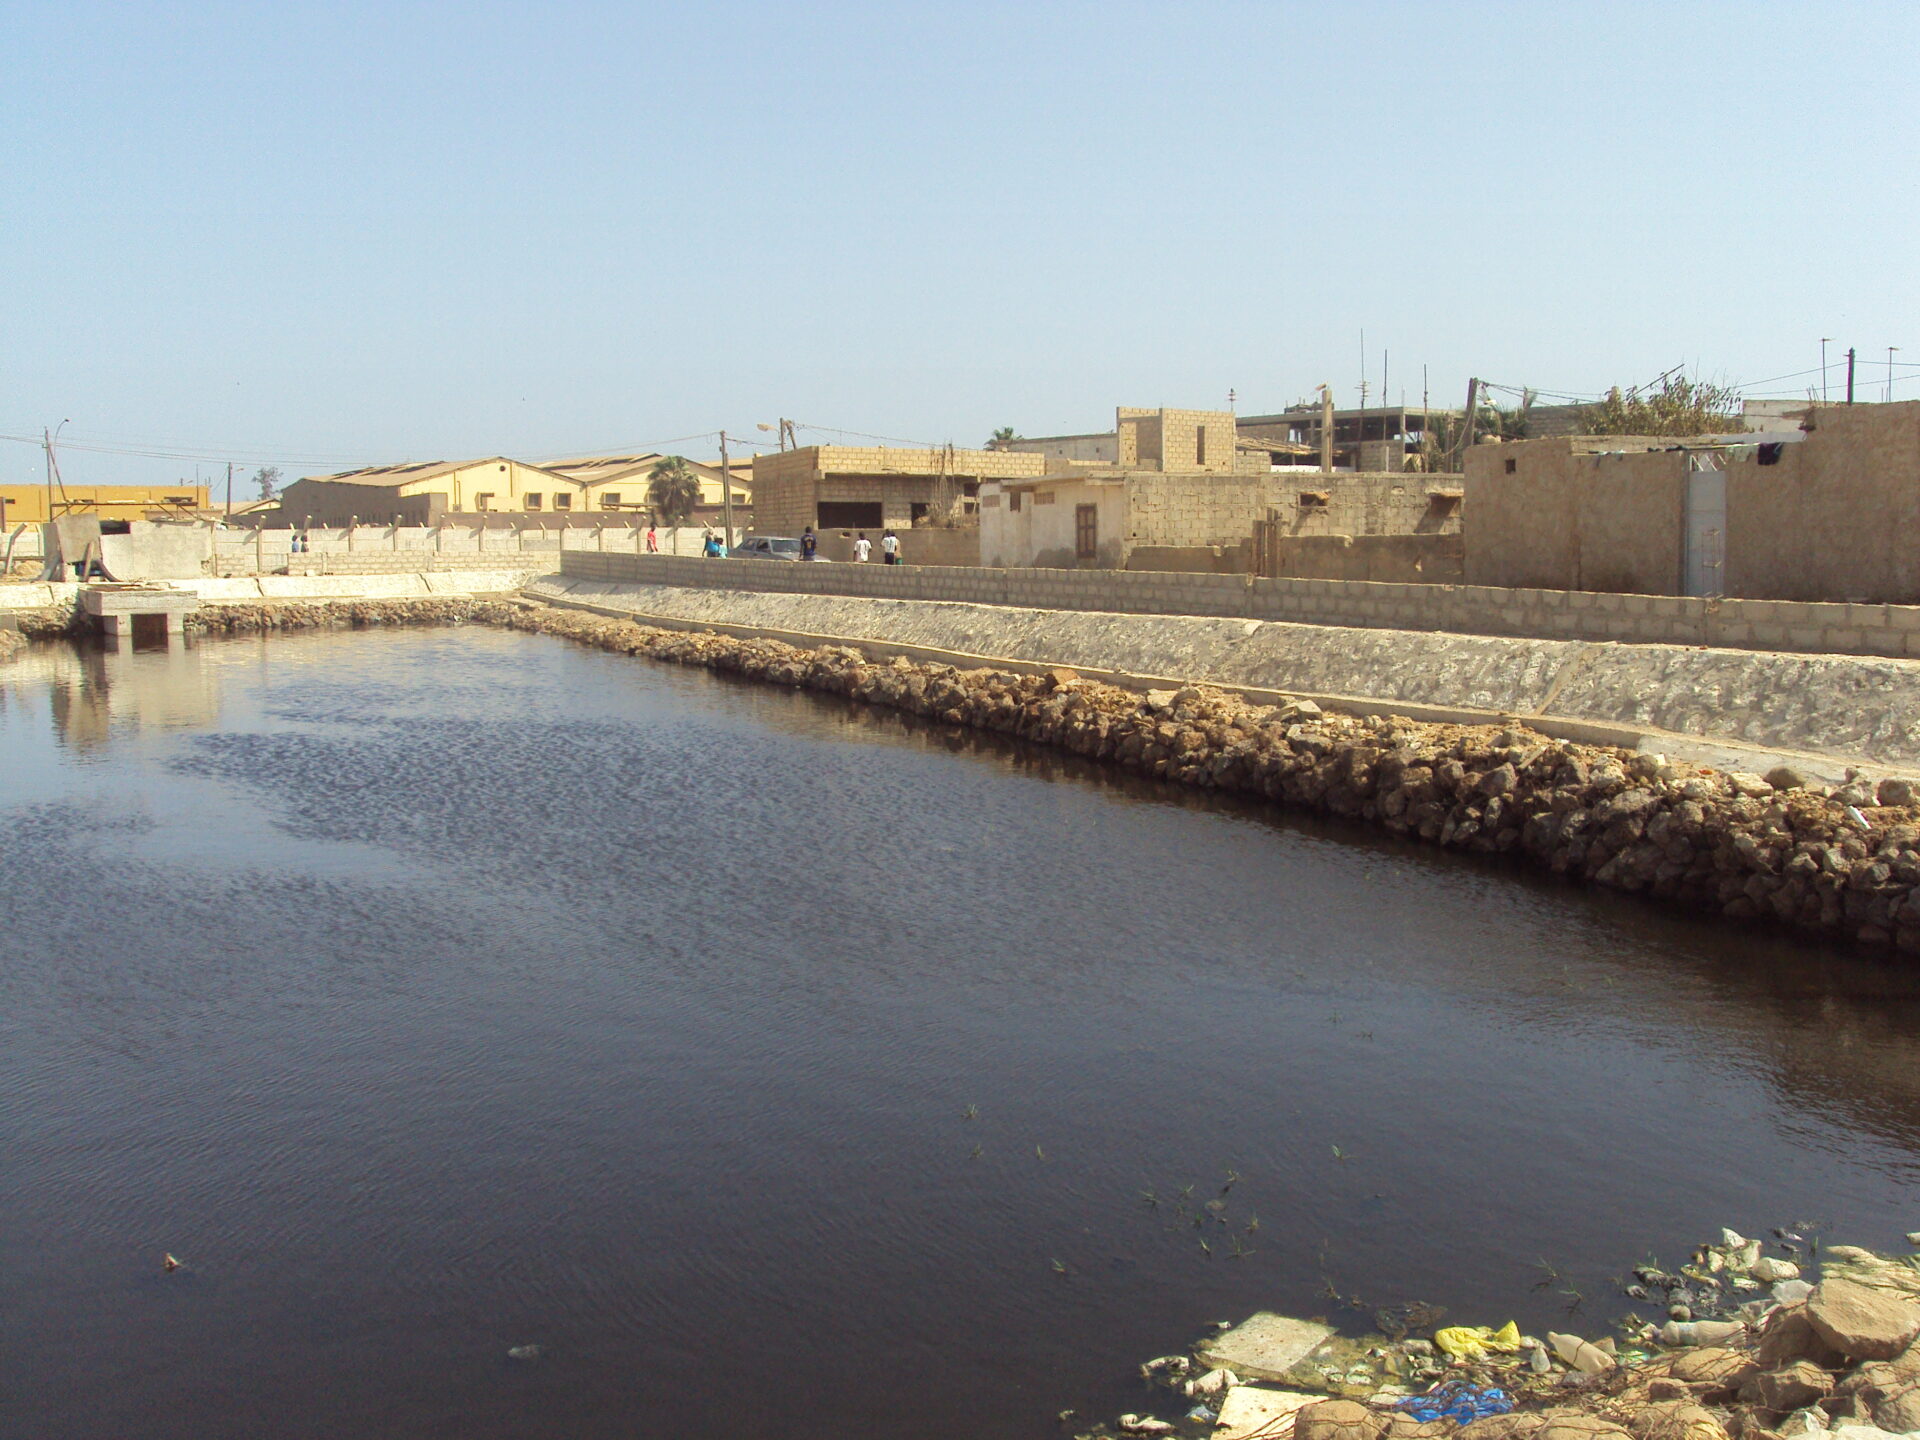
x: 653, y: 540
x: 809, y: 544
x: 862, y: 548
x: 890, y: 548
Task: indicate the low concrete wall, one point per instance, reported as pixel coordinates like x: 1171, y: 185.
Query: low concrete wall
x: 1808, y: 627
x: 1848, y: 708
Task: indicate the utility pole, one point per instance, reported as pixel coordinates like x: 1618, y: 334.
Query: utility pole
x: 1326, y: 429
x: 229, y: 489
x: 1363, y: 379
x: 1473, y: 405
x: 726, y: 493
x: 1850, y: 374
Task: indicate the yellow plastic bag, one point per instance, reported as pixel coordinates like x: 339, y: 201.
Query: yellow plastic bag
x: 1470, y: 1342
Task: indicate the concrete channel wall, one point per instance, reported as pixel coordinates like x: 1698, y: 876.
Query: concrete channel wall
x: 1808, y: 627
x: 1845, y: 708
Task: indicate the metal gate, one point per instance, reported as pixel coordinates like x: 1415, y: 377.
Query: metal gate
x: 1706, y: 556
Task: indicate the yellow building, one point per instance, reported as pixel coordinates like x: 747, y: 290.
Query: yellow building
x: 421, y: 492
x: 620, y: 482
x: 28, y: 504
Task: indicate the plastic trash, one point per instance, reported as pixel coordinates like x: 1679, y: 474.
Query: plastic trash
x: 524, y: 1352
x: 1457, y: 1401
x: 1470, y: 1342
x: 1698, y: 1332
x: 1585, y: 1355
x: 1202, y: 1414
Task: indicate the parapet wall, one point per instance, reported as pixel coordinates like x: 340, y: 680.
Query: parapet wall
x: 1802, y: 626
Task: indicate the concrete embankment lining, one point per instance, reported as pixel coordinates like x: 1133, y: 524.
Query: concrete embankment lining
x: 1731, y: 708
x: 254, y: 590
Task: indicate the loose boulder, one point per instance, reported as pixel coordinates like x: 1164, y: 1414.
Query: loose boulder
x: 1862, y: 1323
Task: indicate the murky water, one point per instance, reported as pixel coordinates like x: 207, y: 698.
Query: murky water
x: 431, y: 994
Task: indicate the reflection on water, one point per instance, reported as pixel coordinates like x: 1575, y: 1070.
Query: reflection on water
x: 436, y: 993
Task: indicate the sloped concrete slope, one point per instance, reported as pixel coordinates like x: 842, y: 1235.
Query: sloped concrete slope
x: 1844, y: 706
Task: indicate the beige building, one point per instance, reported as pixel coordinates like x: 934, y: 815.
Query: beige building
x: 1829, y: 515
x: 421, y: 492
x: 621, y: 483
x: 873, y: 488
x: 1184, y: 479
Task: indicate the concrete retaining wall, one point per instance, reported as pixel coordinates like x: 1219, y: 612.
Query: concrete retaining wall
x: 1808, y: 627
x: 1847, y: 708
x: 251, y: 590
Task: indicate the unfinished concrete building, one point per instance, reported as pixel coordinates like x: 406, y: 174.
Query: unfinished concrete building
x: 873, y: 488
x: 1378, y: 439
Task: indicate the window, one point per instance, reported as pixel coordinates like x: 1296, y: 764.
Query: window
x: 848, y: 515
x: 1013, y: 500
x: 1199, y: 444
x: 533, y: 500
x: 483, y: 502
x: 562, y: 502
x: 1314, y: 499
x: 1086, y: 531
x: 611, y: 500
x: 1044, y: 497
x: 1512, y: 465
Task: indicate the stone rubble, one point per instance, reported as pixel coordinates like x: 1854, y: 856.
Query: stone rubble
x: 1840, y: 1363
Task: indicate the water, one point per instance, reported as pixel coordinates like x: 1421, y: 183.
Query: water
x: 431, y: 994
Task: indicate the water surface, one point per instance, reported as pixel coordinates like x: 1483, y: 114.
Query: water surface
x: 436, y: 993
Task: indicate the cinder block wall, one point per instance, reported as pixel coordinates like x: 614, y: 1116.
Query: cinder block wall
x: 1889, y: 630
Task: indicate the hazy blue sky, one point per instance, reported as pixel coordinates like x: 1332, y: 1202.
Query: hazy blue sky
x: 322, y: 235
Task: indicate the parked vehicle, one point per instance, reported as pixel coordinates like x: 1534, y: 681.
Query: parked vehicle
x: 771, y: 547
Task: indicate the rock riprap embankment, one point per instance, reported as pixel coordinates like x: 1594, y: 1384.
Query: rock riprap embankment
x: 1843, y: 862
x: 1832, y: 1361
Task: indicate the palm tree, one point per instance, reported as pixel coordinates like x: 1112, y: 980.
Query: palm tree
x: 673, y: 489
x: 1003, y: 437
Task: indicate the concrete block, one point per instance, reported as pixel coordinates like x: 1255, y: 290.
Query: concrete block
x: 1252, y: 1410
x: 1266, y: 1346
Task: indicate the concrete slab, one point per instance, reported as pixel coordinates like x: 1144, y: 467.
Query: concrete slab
x: 1249, y: 1411
x: 116, y: 600
x: 475, y: 582
x: 34, y: 596
x: 228, y: 590
x: 341, y: 587
x: 1266, y: 1346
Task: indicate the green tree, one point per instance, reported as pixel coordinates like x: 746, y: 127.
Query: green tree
x: 1670, y: 405
x: 673, y: 489
x: 1003, y: 437
x: 267, y: 480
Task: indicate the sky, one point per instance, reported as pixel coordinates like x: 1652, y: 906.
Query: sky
x: 319, y: 236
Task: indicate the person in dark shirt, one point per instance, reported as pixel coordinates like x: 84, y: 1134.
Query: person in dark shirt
x: 809, y: 544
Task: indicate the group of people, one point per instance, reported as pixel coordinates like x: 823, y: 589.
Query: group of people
x: 862, y: 547
x: 889, y: 548
x: 712, y: 547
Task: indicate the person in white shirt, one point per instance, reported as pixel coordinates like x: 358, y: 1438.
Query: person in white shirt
x: 890, y: 548
x: 862, y: 548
